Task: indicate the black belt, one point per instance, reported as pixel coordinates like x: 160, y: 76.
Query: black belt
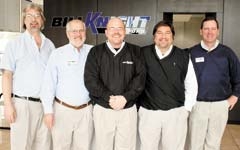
x: 210, y: 100
x: 28, y: 98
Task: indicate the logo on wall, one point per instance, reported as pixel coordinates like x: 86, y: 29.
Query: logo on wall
x: 97, y: 23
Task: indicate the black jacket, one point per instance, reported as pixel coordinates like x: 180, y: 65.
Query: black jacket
x: 106, y: 74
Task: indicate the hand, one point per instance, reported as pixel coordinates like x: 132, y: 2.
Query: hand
x: 49, y: 120
x: 10, y: 112
x: 232, y: 100
x: 112, y: 101
x: 117, y: 102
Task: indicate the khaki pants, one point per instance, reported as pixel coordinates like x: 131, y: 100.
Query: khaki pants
x: 207, y: 123
x: 165, y: 130
x: 72, y: 128
x: 29, y: 132
x: 115, y: 130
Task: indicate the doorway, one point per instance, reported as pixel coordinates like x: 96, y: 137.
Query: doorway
x: 187, y: 26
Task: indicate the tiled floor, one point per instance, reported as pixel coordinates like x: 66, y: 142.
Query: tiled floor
x: 4, y: 140
x: 231, y: 138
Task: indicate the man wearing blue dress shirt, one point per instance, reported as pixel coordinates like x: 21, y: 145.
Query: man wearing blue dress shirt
x: 65, y: 99
x: 23, y: 66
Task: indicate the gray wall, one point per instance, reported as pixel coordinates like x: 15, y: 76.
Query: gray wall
x: 231, y: 37
x: 187, y: 33
x: 9, y: 15
x: 231, y: 24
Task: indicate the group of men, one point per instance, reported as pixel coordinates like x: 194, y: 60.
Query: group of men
x: 63, y: 99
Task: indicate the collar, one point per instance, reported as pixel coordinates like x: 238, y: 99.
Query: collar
x: 74, y: 49
x: 204, y: 46
x: 160, y: 54
x: 43, y: 37
x: 113, y: 50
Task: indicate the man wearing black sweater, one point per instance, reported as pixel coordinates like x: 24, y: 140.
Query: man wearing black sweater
x: 115, y: 77
x: 218, y: 73
x: 169, y: 94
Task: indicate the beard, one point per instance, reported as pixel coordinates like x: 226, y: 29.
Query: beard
x: 78, y: 44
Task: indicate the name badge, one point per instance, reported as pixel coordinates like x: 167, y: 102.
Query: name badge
x: 199, y: 59
x: 72, y: 62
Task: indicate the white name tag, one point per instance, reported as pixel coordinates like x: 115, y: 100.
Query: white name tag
x: 199, y: 59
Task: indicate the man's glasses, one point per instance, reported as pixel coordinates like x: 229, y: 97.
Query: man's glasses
x: 115, y: 28
x: 31, y: 16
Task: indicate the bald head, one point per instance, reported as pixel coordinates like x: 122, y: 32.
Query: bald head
x: 115, y: 20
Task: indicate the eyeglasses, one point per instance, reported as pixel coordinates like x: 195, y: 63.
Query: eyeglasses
x: 115, y: 28
x: 76, y: 31
x: 31, y: 16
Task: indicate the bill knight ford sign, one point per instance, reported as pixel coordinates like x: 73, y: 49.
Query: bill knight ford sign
x: 97, y: 22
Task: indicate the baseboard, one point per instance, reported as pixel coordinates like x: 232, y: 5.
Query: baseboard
x: 233, y: 122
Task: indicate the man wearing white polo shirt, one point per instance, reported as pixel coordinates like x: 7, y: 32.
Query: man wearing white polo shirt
x: 67, y: 108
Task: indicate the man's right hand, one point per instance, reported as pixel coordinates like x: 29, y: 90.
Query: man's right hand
x: 49, y: 120
x: 10, y: 112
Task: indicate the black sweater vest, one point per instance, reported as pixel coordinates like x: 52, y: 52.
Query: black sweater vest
x: 164, y: 87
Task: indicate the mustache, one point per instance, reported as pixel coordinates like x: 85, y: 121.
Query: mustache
x: 116, y: 34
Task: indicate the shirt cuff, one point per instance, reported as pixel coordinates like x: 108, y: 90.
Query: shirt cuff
x: 48, y: 109
x: 188, y: 107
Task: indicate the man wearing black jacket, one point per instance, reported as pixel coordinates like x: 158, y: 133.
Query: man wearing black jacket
x: 115, y: 77
x: 169, y: 94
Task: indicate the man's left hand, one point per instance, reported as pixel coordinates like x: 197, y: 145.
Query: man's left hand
x: 232, y: 100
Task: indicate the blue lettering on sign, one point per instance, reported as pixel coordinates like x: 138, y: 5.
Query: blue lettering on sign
x: 97, y: 23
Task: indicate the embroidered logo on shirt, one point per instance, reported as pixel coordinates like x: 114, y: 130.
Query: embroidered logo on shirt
x: 127, y: 62
x: 199, y: 59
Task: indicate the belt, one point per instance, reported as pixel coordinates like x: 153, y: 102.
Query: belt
x: 28, y: 98
x: 210, y: 100
x: 70, y: 106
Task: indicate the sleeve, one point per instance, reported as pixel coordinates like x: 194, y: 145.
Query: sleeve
x: 8, y: 61
x: 48, y: 89
x: 191, y: 87
x: 235, y: 74
x: 92, y: 78
x: 137, y: 83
